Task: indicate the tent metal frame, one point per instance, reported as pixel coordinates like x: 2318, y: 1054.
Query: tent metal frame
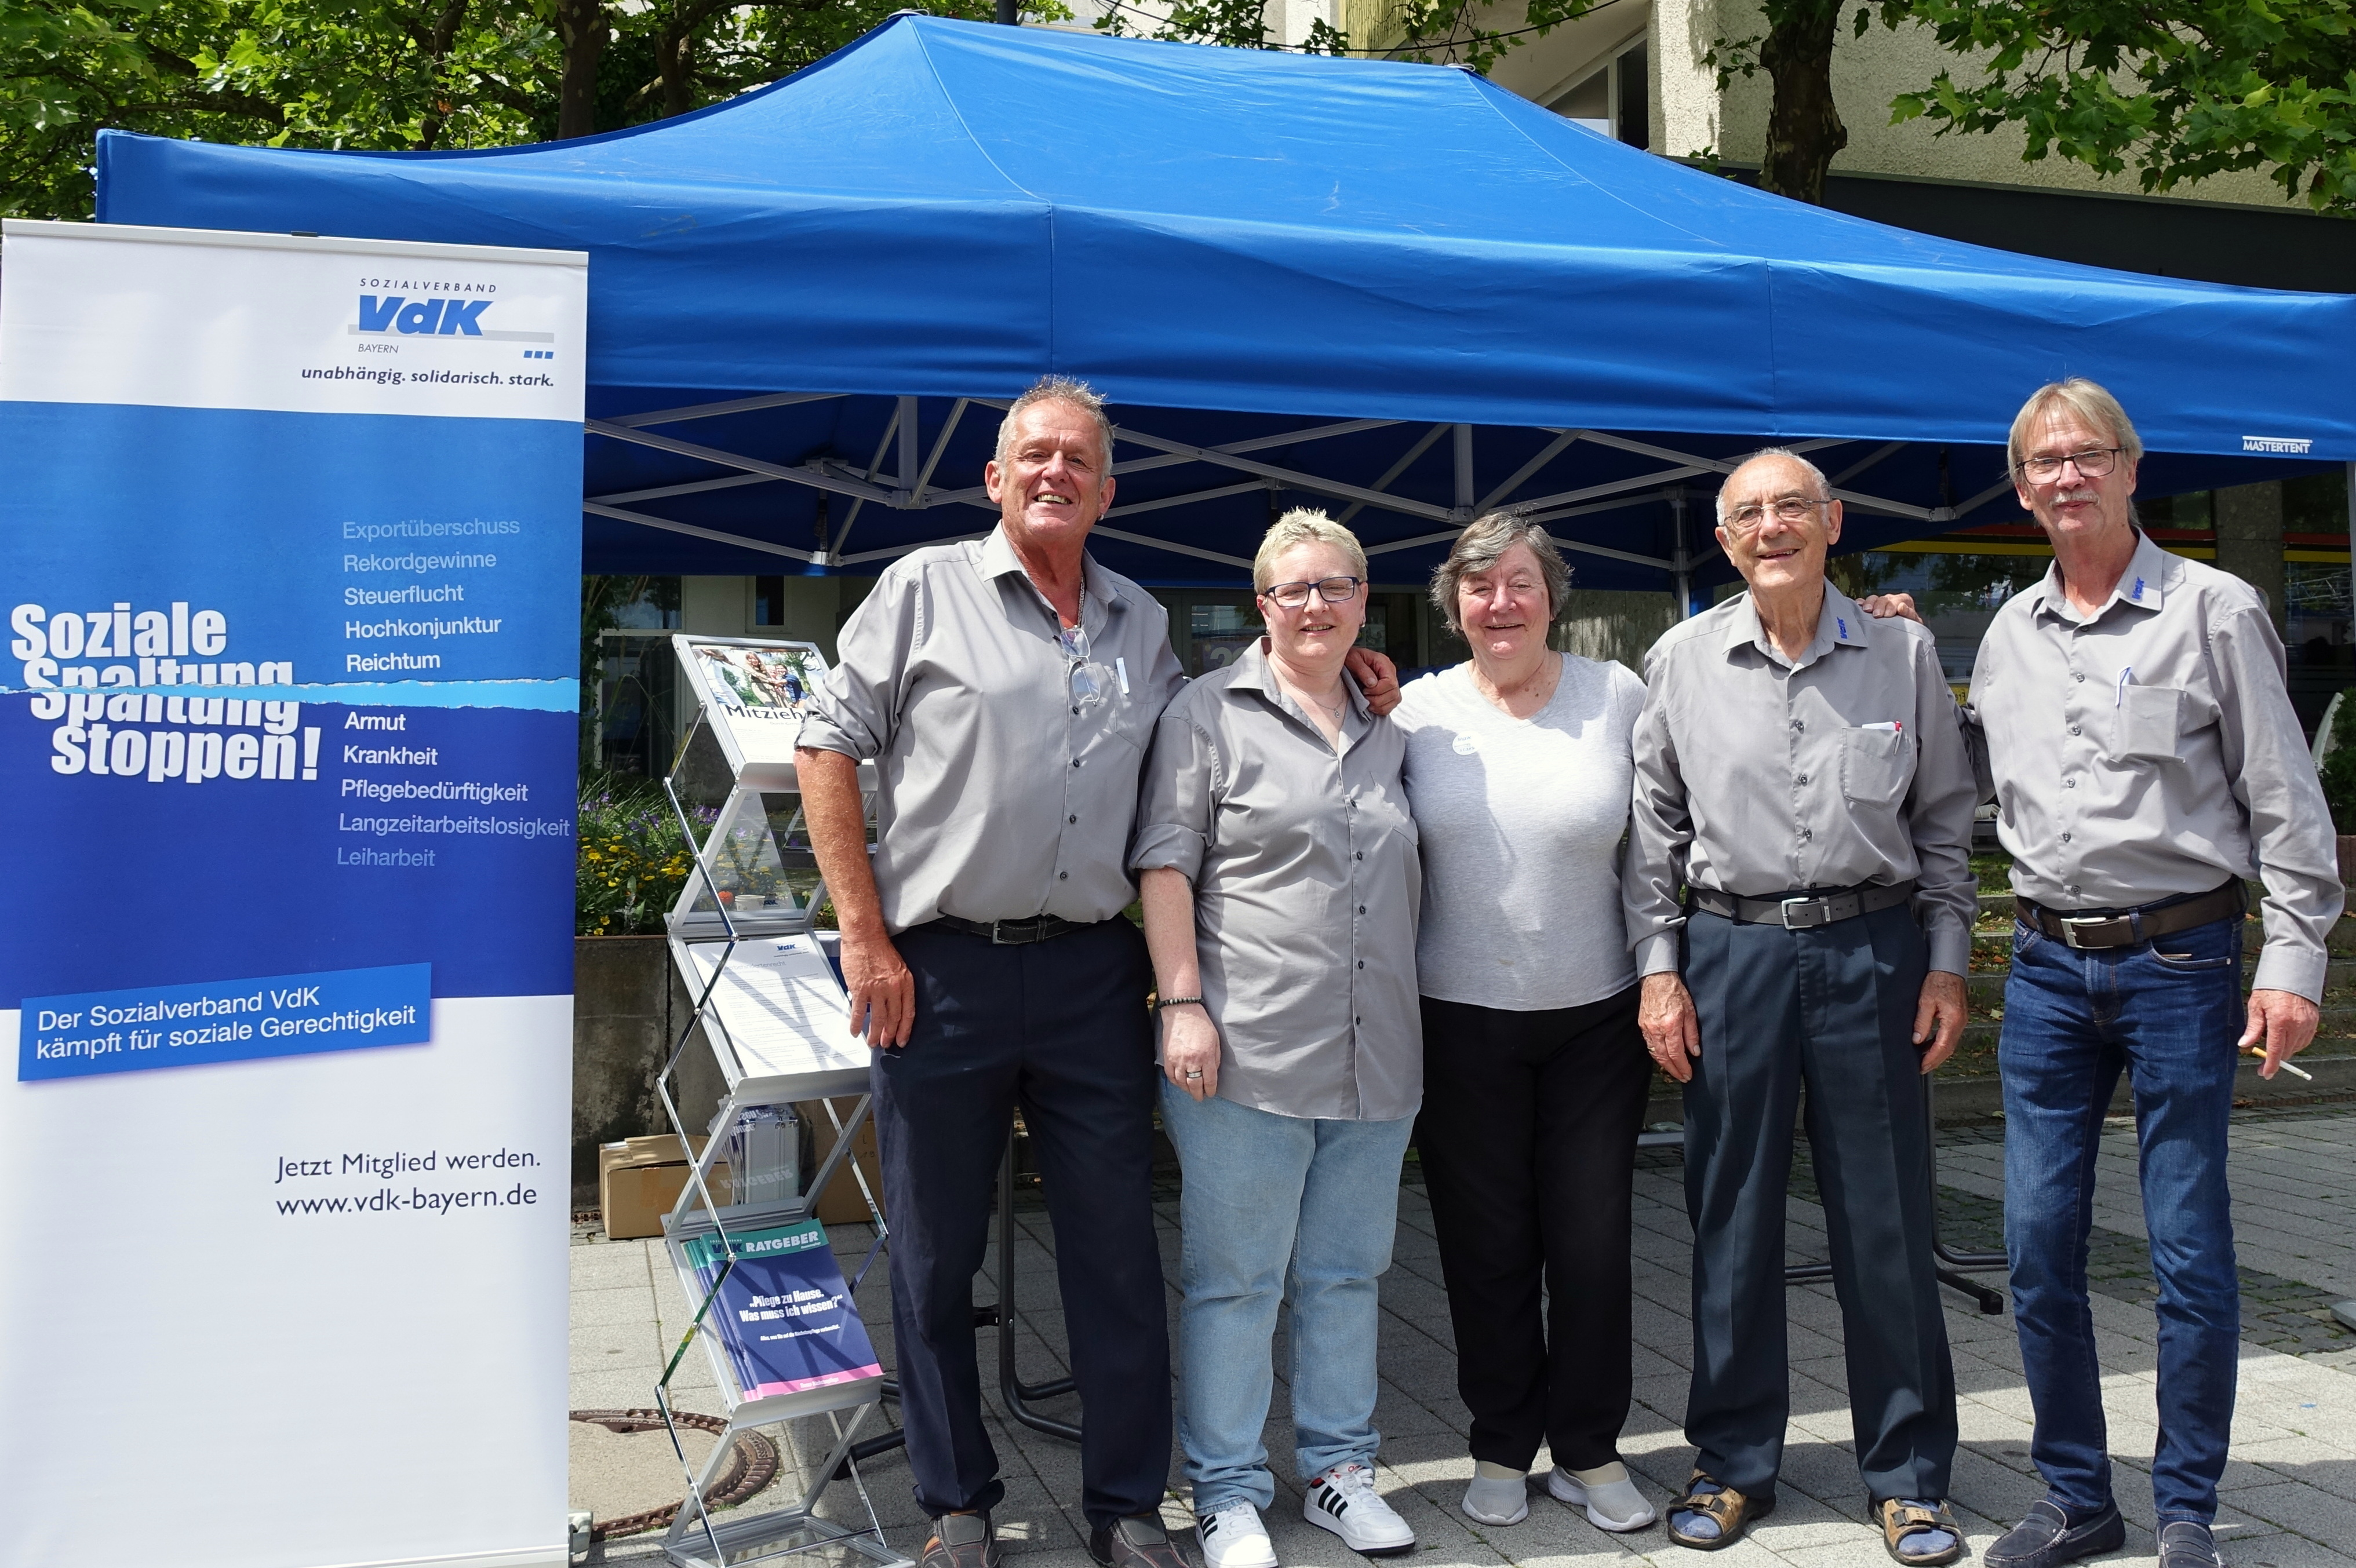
x: 906, y: 483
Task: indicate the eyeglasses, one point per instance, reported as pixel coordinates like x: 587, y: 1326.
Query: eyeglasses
x: 1787, y: 509
x: 2094, y: 462
x: 1329, y: 590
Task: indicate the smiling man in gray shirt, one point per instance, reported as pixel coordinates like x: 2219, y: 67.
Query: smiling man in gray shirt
x: 1799, y: 849
x: 2146, y: 761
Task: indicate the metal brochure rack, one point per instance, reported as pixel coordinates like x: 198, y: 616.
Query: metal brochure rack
x: 777, y: 1023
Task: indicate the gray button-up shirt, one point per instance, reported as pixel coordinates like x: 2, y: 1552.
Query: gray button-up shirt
x: 2151, y: 749
x: 1760, y: 776
x: 1007, y: 761
x: 1306, y: 885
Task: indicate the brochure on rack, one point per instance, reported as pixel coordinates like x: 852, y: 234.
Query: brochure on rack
x: 784, y: 1313
x: 755, y: 693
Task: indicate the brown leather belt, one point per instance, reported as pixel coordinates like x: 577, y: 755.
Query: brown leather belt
x: 1800, y: 911
x: 1013, y: 933
x: 2134, y: 927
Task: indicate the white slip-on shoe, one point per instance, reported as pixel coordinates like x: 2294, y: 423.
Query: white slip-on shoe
x: 1607, y: 1493
x: 1345, y: 1501
x: 1232, y: 1536
x: 1496, y: 1499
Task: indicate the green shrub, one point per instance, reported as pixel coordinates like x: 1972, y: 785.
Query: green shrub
x: 2340, y: 767
x: 634, y: 857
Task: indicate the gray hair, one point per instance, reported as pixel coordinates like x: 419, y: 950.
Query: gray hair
x: 1482, y: 544
x: 1056, y: 389
x: 2090, y: 400
x: 1815, y: 475
x: 1304, y: 525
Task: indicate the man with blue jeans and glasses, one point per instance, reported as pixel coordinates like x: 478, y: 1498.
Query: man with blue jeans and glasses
x: 2146, y: 761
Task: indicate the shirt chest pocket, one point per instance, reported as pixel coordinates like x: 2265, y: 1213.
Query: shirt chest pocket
x: 1876, y: 765
x: 2150, y: 717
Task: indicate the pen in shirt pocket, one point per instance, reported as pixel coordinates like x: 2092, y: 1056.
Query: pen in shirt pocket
x: 1895, y: 727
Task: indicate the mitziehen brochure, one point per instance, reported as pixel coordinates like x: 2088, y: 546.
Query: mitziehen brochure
x: 784, y: 1311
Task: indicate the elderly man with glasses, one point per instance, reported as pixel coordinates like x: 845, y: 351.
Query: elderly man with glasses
x: 2145, y: 762
x: 1799, y: 897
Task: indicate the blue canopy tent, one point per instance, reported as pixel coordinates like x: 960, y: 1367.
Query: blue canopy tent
x: 1393, y: 288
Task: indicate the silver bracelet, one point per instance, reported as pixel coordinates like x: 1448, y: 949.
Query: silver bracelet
x: 1175, y: 1002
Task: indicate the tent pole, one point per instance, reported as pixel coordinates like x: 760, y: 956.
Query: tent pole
x: 1464, y: 489
x: 1008, y: 13
x: 1680, y: 562
x: 909, y: 456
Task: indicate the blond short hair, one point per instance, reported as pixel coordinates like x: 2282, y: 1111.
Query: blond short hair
x: 1304, y: 525
x: 2090, y: 400
x: 1057, y: 389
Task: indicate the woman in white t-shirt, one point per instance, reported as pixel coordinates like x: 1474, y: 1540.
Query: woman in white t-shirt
x: 1519, y: 771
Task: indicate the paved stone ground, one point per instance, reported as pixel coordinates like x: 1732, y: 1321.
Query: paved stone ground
x: 2290, y: 1494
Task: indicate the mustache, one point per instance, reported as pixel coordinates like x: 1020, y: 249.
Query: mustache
x: 2076, y: 495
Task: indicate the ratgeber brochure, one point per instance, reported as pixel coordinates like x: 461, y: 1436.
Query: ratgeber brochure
x: 784, y: 1313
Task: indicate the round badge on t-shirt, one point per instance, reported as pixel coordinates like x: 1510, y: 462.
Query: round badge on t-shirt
x: 1466, y: 742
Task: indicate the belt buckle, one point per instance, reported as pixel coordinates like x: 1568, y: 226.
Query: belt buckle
x: 1821, y: 909
x: 997, y: 936
x: 2075, y: 926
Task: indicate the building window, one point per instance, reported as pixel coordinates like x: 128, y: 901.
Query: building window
x: 1613, y: 100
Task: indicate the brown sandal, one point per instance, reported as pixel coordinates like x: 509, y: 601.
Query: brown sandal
x: 1732, y: 1513
x: 1901, y: 1519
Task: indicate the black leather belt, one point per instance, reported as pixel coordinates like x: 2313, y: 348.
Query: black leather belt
x: 1800, y: 911
x: 2134, y: 927
x: 1013, y: 933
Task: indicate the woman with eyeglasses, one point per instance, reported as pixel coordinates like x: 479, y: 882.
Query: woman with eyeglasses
x: 1281, y: 880
x: 1520, y: 769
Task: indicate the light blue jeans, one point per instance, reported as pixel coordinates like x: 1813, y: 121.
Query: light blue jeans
x: 1278, y: 1209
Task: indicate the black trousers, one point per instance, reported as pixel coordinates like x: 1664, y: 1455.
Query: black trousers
x: 1059, y: 1027
x: 1528, y: 1140
x: 1831, y: 1007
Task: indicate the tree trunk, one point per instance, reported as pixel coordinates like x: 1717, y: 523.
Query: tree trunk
x: 1803, y: 129
x: 675, y: 58
x: 581, y: 28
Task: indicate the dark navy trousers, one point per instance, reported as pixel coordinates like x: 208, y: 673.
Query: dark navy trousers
x: 1059, y: 1027
x: 1830, y: 1008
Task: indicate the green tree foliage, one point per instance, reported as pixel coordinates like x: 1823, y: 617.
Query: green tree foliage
x: 1431, y: 32
x: 373, y: 74
x: 381, y: 75
x: 2178, y: 91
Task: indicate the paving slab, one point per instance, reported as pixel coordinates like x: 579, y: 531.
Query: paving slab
x: 2289, y: 1491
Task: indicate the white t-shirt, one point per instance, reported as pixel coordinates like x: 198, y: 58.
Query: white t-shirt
x: 1521, y: 822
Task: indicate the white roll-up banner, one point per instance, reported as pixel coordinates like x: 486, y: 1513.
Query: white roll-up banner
x: 289, y: 553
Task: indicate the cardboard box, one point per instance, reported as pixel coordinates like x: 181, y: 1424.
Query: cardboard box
x: 841, y: 1203
x: 639, y: 1180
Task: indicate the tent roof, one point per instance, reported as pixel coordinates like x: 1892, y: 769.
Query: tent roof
x: 1232, y: 244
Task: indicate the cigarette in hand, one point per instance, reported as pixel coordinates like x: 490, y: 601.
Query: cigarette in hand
x: 2260, y: 1052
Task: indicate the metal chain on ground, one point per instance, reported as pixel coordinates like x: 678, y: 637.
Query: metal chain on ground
x: 752, y: 1464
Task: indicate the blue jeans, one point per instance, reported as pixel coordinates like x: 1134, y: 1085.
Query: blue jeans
x: 2169, y: 1013
x: 1278, y: 1209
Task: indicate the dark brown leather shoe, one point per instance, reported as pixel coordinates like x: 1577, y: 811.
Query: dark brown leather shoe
x: 1137, y: 1542
x: 962, y: 1541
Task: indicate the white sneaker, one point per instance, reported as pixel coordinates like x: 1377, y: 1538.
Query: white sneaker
x: 1232, y: 1536
x: 1608, y: 1494
x: 1345, y: 1501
